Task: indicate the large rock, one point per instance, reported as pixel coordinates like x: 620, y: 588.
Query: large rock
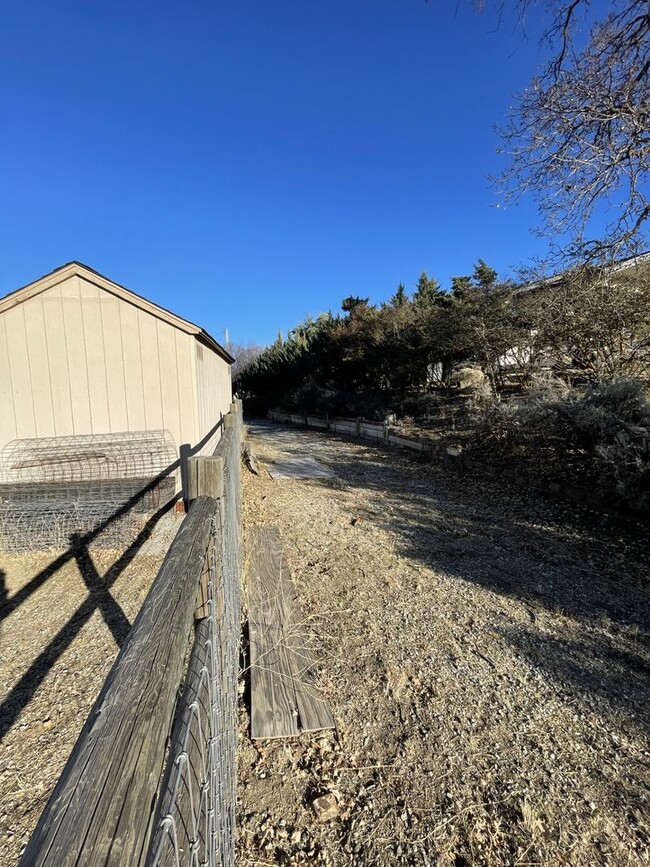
x: 470, y: 377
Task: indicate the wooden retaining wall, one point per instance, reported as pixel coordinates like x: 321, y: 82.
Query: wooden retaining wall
x: 451, y: 457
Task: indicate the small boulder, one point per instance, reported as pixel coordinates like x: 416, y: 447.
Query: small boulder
x: 326, y: 807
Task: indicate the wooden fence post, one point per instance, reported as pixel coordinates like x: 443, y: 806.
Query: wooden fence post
x: 205, y: 477
x: 184, y: 454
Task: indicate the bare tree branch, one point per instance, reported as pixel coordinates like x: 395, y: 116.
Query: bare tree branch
x: 578, y: 138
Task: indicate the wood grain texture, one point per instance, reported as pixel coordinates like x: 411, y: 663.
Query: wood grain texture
x: 203, y: 595
x: 204, y: 477
x: 102, y: 809
x: 183, y: 778
x: 284, y: 701
x: 273, y: 694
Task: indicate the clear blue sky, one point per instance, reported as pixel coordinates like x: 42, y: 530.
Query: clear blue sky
x: 245, y: 162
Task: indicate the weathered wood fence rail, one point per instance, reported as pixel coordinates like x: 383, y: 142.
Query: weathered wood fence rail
x: 450, y: 455
x: 353, y: 427
x: 110, y: 802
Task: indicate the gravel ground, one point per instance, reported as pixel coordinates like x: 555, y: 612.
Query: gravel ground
x: 485, y: 653
x: 63, y: 621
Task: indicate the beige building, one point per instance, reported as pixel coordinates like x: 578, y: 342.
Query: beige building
x: 81, y: 356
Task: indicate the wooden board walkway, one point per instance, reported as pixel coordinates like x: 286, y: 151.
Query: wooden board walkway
x: 284, y: 700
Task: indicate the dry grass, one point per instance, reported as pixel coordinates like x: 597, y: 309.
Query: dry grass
x: 60, y: 635
x: 485, y: 654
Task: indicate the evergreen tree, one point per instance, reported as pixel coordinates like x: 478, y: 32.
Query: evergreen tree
x: 400, y: 297
x: 427, y: 291
x: 484, y: 276
x: 354, y: 304
x: 460, y: 286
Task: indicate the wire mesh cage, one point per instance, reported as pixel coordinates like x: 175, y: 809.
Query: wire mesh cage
x: 87, y: 457
x: 53, y: 487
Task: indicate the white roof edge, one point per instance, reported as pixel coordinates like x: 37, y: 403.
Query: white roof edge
x: 622, y: 265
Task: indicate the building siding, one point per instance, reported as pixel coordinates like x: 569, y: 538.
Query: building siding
x: 76, y: 359
x: 214, y: 393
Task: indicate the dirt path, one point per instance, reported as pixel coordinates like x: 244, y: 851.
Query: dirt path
x: 486, y: 657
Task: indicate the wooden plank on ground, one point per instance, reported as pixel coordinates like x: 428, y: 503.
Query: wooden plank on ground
x: 270, y: 591
x: 273, y: 696
x: 313, y: 710
x: 284, y: 700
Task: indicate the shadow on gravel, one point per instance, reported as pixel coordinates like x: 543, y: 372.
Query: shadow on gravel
x: 580, y: 564
x: 550, y: 556
x: 590, y: 667
x: 559, y: 555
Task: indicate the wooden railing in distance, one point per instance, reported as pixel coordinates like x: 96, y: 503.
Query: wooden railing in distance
x: 103, y: 807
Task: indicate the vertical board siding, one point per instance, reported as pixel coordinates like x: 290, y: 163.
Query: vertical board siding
x: 58, y: 361
x: 76, y: 355
x: 214, y: 393
x: 113, y: 362
x: 19, y: 372
x: 153, y: 414
x: 186, y: 387
x: 93, y: 333
x: 132, y: 367
x: 76, y: 359
x: 170, y: 391
x: 7, y: 413
x: 39, y: 368
x: 169, y: 388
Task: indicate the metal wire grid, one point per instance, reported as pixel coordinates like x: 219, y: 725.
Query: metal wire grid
x: 54, y: 487
x: 197, y: 806
x: 35, y: 527
x: 37, y: 520
x: 87, y: 457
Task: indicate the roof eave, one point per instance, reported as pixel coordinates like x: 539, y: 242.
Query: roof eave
x: 74, y: 268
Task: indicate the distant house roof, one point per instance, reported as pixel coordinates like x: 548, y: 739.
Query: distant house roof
x: 622, y: 265
x: 78, y: 269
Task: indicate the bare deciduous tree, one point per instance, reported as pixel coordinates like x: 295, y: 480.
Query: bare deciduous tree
x: 578, y: 137
x: 244, y: 354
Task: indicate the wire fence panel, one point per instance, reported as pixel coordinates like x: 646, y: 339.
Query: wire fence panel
x: 52, y: 488
x: 87, y: 457
x: 196, y: 822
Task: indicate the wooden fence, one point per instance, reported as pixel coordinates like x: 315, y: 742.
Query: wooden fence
x: 358, y: 427
x: 451, y: 455
x: 106, y: 806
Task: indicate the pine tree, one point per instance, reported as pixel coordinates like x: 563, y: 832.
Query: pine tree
x: 484, y: 276
x: 400, y: 297
x: 427, y: 291
x: 460, y: 285
x: 354, y: 304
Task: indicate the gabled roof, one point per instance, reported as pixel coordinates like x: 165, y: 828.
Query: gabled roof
x: 78, y: 269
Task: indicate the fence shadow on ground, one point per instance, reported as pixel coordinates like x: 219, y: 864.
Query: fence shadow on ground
x: 550, y: 556
x: 99, y: 596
